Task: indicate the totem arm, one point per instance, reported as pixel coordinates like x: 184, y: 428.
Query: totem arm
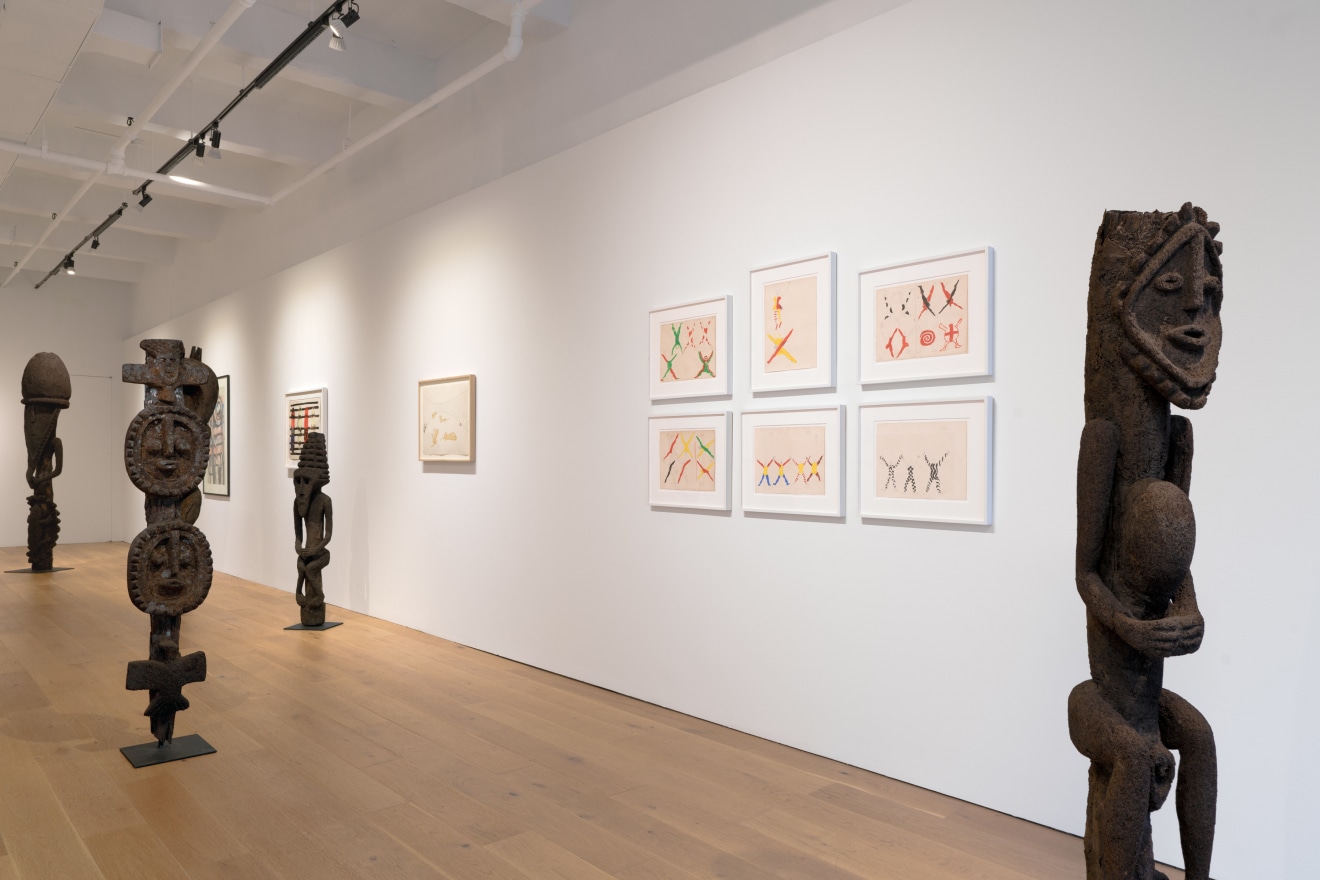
x: 1096, y: 462
x: 327, y: 527
x: 57, y: 445
x: 1178, y: 469
x: 297, y: 529
x: 329, y: 520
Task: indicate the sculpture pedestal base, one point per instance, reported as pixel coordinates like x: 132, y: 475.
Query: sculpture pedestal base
x: 36, y: 570
x: 326, y: 625
x: 150, y: 754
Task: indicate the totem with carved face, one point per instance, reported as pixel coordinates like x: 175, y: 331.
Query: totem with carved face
x: 313, y: 509
x: 1153, y: 340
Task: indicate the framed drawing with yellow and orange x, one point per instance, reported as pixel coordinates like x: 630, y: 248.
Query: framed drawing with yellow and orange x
x: 792, y: 312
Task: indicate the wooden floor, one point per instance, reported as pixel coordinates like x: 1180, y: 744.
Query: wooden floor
x: 372, y: 750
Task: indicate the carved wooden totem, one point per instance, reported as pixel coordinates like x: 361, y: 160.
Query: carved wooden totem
x: 46, y: 391
x: 312, y: 507
x: 1153, y: 338
x: 169, y: 562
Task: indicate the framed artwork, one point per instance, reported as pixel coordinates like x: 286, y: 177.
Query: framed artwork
x: 447, y: 419
x: 792, y: 309
x: 928, y: 461
x: 928, y: 319
x: 304, y: 413
x: 689, y: 461
x: 792, y: 461
x: 690, y: 350
x: 216, y: 479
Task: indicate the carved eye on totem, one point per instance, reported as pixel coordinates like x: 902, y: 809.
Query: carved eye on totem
x: 1169, y: 282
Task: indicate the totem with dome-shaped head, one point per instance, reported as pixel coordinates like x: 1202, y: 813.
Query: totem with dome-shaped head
x: 312, y: 508
x: 1153, y: 339
x: 46, y: 390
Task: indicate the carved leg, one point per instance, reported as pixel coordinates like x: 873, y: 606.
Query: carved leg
x: 1183, y: 728
x: 312, y: 603
x: 1123, y: 770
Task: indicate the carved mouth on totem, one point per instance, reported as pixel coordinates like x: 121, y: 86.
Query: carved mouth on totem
x: 1188, y: 338
x: 171, y: 587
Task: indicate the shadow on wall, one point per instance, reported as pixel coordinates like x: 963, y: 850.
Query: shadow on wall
x: 359, y: 563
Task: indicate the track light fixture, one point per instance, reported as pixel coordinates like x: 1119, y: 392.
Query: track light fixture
x: 336, y: 39
x: 96, y: 243
x: 146, y: 199
x: 68, y: 266
x: 351, y: 15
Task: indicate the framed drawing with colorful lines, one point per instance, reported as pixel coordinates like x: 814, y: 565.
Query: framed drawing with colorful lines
x: 792, y: 461
x: 928, y: 461
x: 688, y: 462
x: 927, y: 319
x: 304, y: 413
x: 792, y: 312
x: 689, y: 350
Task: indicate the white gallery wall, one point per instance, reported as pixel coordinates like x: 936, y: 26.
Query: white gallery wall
x: 942, y: 656
x: 84, y: 322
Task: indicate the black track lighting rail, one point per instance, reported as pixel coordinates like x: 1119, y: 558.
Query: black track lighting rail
x: 345, y: 10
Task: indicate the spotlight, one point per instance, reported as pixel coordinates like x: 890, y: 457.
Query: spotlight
x: 215, y: 138
x: 201, y: 148
x: 336, y: 39
x: 68, y: 266
x: 352, y: 15
x: 96, y: 243
x: 146, y: 199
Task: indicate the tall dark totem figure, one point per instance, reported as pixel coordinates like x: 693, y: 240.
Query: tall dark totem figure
x: 312, y: 507
x: 169, y: 562
x: 46, y: 391
x: 1153, y: 338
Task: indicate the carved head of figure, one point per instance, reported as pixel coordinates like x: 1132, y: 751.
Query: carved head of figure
x: 312, y: 474
x: 46, y: 391
x: 1157, y: 282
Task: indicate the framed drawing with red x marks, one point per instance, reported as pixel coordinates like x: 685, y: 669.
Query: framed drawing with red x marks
x: 927, y: 319
x: 689, y: 350
x: 792, y: 311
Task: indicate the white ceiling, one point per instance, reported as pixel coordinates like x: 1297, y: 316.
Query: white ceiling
x: 73, y: 71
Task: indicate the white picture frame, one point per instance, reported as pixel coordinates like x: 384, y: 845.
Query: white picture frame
x: 906, y: 429
x: 447, y: 419
x: 304, y: 412
x: 776, y: 487
x: 706, y: 457
x: 799, y: 280
x: 929, y: 345
x: 216, y: 479
x: 685, y: 373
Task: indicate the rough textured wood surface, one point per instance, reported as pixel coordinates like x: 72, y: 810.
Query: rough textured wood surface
x: 384, y: 752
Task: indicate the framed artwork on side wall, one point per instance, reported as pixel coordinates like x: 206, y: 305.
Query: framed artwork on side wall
x: 928, y: 319
x: 305, y: 412
x: 689, y: 350
x: 689, y: 461
x: 792, y: 461
x: 792, y: 311
x: 928, y: 461
x: 216, y: 479
x: 447, y: 419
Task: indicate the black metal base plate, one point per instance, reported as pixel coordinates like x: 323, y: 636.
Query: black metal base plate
x: 149, y: 754
x: 327, y: 625
x: 34, y: 571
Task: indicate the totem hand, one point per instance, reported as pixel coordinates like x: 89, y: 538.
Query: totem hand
x: 1166, y: 637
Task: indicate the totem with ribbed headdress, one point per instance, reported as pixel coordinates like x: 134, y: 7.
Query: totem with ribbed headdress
x: 312, y: 511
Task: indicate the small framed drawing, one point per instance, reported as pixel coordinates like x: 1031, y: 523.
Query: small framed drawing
x: 928, y: 319
x: 928, y: 461
x: 690, y: 350
x: 447, y: 419
x: 689, y: 461
x: 792, y: 461
x: 792, y: 307
x: 305, y: 413
x: 216, y: 479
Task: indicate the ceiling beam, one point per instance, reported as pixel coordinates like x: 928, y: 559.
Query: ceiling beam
x: 370, y: 72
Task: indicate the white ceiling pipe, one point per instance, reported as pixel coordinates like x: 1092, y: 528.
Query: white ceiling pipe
x: 116, y: 163
x: 107, y: 168
x: 510, y: 51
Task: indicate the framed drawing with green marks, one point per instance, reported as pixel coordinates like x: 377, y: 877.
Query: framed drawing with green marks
x: 688, y: 461
x: 689, y: 350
